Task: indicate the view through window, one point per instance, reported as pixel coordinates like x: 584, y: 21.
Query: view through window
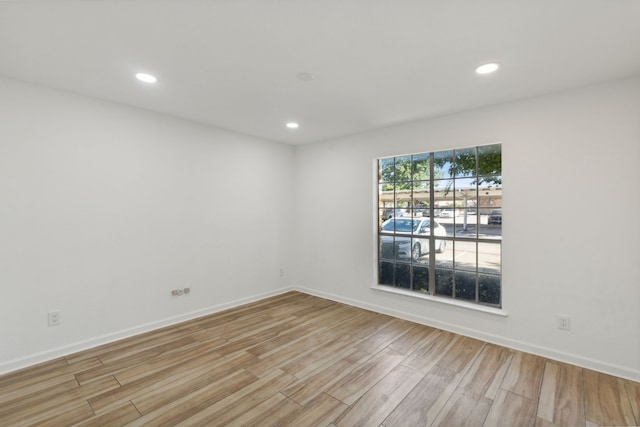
x: 440, y: 223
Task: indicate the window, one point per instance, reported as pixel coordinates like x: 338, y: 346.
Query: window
x: 440, y: 223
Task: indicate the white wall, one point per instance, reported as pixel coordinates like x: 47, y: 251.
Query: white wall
x: 105, y: 208
x: 571, y: 234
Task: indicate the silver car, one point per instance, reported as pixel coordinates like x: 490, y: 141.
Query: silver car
x: 396, y: 237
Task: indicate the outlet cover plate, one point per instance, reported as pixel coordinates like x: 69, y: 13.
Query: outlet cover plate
x: 564, y: 322
x: 54, y: 318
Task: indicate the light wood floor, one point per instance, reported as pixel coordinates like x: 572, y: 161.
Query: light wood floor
x: 298, y: 360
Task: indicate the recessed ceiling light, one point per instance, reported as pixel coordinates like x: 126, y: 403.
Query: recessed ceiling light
x: 487, y: 68
x: 147, y: 78
x: 304, y: 77
x: 293, y: 125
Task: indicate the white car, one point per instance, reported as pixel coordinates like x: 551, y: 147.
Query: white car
x: 396, y: 237
x: 448, y: 213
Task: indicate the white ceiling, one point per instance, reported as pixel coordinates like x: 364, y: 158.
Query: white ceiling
x: 233, y: 63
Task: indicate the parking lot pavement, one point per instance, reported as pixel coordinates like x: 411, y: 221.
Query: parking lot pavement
x: 488, y: 257
x: 484, y: 231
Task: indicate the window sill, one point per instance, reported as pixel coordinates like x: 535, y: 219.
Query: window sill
x: 471, y: 306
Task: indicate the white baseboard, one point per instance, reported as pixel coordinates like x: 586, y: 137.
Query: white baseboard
x: 573, y: 359
x: 66, y: 350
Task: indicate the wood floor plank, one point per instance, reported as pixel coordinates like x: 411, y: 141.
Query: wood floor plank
x: 196, y: 379
x: 524, y: 375
x: 235, y: 404
x: 321, y: 411
x: 276, y: 323
x: 284, y: 339
x: 141, y: 386
x: 461, y: 354
x: 160, y: 343
x: 65, y: 416
x: 81, y: 365
x: 465, y: 408
x: 314, y: 308
x: 41, y: 371
x: 374, y: 406
x: 118, y: 416
x: 606, y: 400
x: 486, y: 374
x: 414, y: 338
x: 290, y: 301
x: 302, y: 366
x: 180, y: 409
x: 239, y: 326
x: 425, y: 401
x: 548, y: 391
x: 358, y: 381
x: 279, y: 357
x: 363, y: 324
x: 251, y: 339
x: 300, y: 360
x: 384, y: 336
x: 435, y: 346
x: 323, y: 313
x: 324, y: 377
x: 510, y: 409
x: 164, y: 361
x: 140, y: 357
x: 44, y: 377
x: 33, y: 404
x: 14, y: 394
x: 53, y: 398
x: 267, y: 413
x: 330, y: 317
x: 561, y: 399
x: 633, y: 390
x: 124, y: 347
x: 540, y: 422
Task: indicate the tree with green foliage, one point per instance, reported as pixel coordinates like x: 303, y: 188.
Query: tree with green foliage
x: 405, y: 173
x: 483, y: 164
x: 486, y: 166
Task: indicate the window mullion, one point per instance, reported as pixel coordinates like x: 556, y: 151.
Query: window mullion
x: 432, y: 215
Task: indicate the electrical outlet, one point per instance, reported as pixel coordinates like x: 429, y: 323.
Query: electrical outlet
x: 54, y: 318
x: 282, y: 272
x: 564, y: 322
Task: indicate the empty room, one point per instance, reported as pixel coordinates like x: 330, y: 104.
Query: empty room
x: 290, y: 212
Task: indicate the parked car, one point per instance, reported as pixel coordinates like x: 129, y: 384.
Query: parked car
x: 422, y: 211
x: 390, y: 213
x: 398, y: 244
x: 495, y: 217
x: 448, y: 213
